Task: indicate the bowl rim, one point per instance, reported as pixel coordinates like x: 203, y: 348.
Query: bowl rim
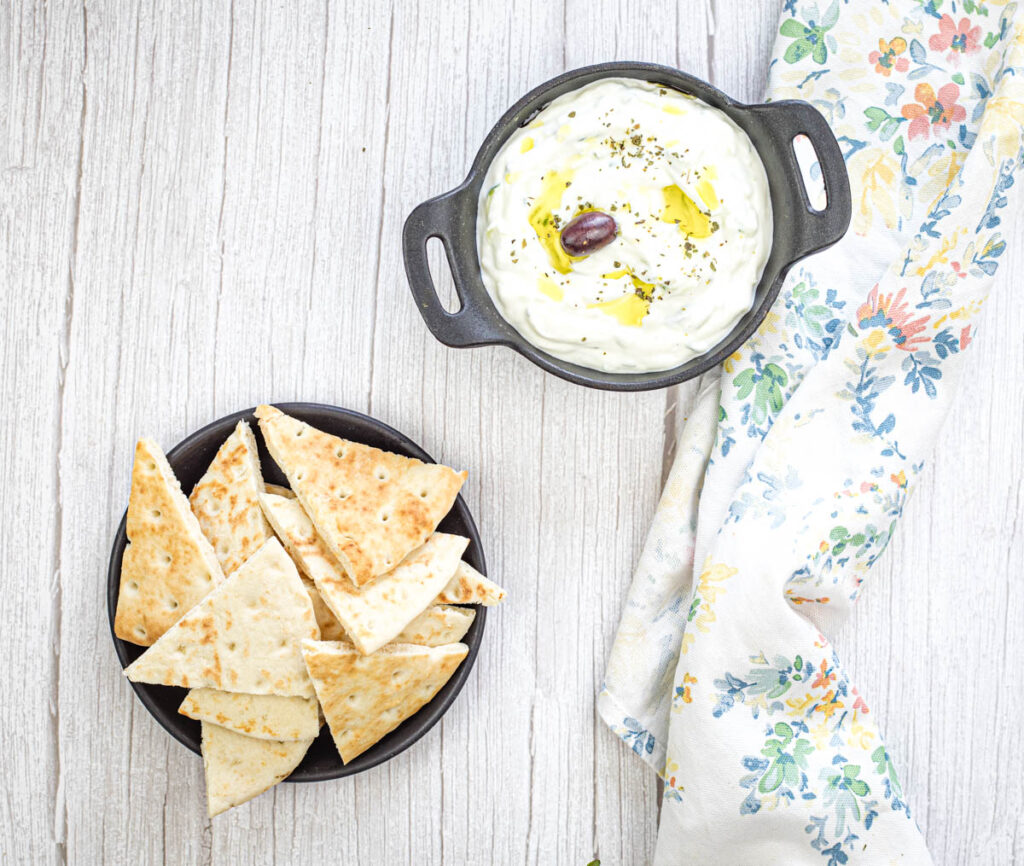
x: 427, y: 716
x: 484, y: 324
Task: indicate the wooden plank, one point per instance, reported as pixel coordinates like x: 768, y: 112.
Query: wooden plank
x: 140, y: 358
x: 621, y: 442
x: 41, y: 95
x: 306, y: 125
x: 549, y: 435
x: 453, y: 71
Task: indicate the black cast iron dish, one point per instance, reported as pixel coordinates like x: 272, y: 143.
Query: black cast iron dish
x: 189, y: 459
x: 798, y: 231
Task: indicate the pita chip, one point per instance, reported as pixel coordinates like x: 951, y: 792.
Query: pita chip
x: 438, y: 625
x: 168, y: 564
x: 330, y: 628
x: 243, y: 637
x: 469, y: 586
x: 377, y: 613
x: 226, y: 501
x: 278, y: 490
x: 266, y: 717
x: 371, y: 507
x: 239, y: 768
x: 366, y: 697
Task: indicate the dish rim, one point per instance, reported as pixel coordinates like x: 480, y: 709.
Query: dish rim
x: 157, y: 698
x: 452, y: 218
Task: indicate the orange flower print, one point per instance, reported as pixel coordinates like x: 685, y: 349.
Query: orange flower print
x: 893, y: 314
x: 824, y: 676
x: 829, y: 704
x: 965, y: 338
x: 933, y: 111
x: 887, y: 58
x: 955, y: 38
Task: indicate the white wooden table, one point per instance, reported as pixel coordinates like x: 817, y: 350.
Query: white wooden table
x: 200, y: 208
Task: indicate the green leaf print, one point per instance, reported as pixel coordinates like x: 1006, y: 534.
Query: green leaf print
x: 785, y: 766
x: 880, y: 121
x: 857, y: 786
x: 745, y: 382
x: 810, y: 37
x: 769, y: 389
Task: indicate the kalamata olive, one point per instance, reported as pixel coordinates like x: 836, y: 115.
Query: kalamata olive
x: 587, y: 233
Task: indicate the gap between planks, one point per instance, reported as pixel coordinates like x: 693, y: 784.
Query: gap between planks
x: 59, y: 823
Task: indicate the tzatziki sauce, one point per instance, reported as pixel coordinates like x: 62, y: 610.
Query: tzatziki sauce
x: 689, y: 205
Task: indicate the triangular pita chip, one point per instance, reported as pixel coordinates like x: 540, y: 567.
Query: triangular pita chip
x: 366, y: 697
x: 226, y: 501
x: 437, y: 626
x: 330, y: 628
x: 266, y: 717
x: 377, y: 613
x: 469, y: 586
x: 371, y: 507
x: 168, y: 564
x: 239, y: 768
x: 243, y: 637
x: 278, y: 490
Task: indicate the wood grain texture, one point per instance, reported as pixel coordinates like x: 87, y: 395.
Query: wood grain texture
x: 201, y: 208
x: 40, y: 154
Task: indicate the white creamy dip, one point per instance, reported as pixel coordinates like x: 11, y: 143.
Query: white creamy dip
x: 689, y: 195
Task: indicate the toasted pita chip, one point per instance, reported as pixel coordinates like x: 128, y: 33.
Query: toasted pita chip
x: 438, y: 625
x: 374, y: 615
x: 371, y: 507
x: 243, y: 637
x: 366, y: 697
x: 469, y: 586
x: 266, y: 717
x: 226, y: 500
x: 168, y: 564
x: 330, y: 628
x: 278, y: 490
x: 239, y: 768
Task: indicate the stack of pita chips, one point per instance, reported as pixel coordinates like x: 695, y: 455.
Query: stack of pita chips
x: 356, y: 614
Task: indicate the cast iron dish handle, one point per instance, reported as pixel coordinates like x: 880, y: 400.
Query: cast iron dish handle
x: 815, y: 229
x: 439, y: 218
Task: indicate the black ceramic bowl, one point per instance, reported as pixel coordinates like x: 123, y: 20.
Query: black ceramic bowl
x: 799, y: 230
x: 189, y: 460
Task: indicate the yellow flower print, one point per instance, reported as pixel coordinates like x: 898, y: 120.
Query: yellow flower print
x: 878, y: 171
x: 829, y: 704
x: 709, y: 589
x: 731, y: 362
x: 875, y: 343
x: 941, y: 255
x: 820, y: 734
x: 968, y: 311
x: 860, y: 735
x: 1003, y: 120
x: 798, y: 706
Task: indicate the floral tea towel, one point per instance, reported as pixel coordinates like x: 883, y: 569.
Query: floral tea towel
x: 796, y: 462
